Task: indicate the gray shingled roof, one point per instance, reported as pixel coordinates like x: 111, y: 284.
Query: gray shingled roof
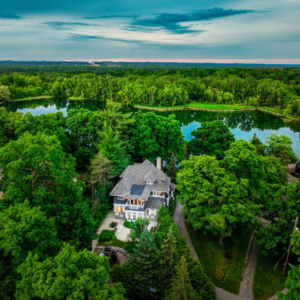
x: 154, y: 203
x: 150, y: 176
x: 135, y: 175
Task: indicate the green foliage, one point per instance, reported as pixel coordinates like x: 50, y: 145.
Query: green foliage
x: 128, y: 224
x: 83, y: 126
x: 172, y: 206
x: 106, y: 235
x: 168, y: 258
x: 4, y: 94
x: 281, y: 147
x: 50, y: 123
x: 283, y: 211
x: 37, y: 169
x: 112, y: 224
x: 69, y: 275
x: 145, y: 259
x: 212, y: 138
x: 185, y: 154
x: 200, y: 281
x: 297, y: 168
x: 8, y: 121
x: 216, y: 200
x: 111, y: 146
x: 181, y: 286
x: 23, y: 230
x: 154, y: 135
x: 172, y: 169
x: 260, y: 147
x: 126, y: 275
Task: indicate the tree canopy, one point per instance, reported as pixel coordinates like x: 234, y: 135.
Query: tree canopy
x: 212, y: 138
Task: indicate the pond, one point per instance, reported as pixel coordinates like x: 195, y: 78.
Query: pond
x: 241, y: 124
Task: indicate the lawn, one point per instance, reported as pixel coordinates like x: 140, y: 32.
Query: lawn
x: 35, y: 98
x: 204, y: 106
x: 265, y: 288
x: 225, y: 273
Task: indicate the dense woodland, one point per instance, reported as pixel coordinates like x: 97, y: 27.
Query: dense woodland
x: 254, y: 87
x: 57, y: 171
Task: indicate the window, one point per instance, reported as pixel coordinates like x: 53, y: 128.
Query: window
x: 120, y: 197
x: 155, y: 193
x: 149, y: 182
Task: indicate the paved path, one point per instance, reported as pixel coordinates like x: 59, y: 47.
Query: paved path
x: 222, y: 294
x: 122, y: 231
x: 179, y: 221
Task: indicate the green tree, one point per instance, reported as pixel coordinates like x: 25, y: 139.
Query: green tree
x: 185, y: 155
x: 69, y: 275
x: 280, y: 146
x: 37, y: 169
x: 154, y: 135
x: 99, y: 180
x: 50, y: 123
x: 172, y: 169
x: 212, y: 138
x: 8, y: 121
x: 260, y: 147
x: 112, y: 147
x: 168, y: 258
x: 181, y: 286
x: 23, y: 230
x: 125, y: 275
x: 4, y: 94
x: 83, y: 126
x: 215, y: 199
x: 282, y: 213
x: 200, y: 281
x: 145, y: 260
x: 293, y: 281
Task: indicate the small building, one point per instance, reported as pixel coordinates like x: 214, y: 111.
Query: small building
x: 142, y: 189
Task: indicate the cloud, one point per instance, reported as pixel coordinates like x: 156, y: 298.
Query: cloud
x: 112, y: 17
x: 66, y: 25
x: 10, y: 16
x: 171, y: 21
x: 81, y: 37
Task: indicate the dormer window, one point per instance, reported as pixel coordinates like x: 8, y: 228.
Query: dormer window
x: 120, y: 197
x: 149, y: 182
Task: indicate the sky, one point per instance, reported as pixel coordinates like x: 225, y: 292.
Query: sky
x: 256, y: 31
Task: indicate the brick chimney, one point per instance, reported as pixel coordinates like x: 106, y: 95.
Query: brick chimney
x: 158, y: 163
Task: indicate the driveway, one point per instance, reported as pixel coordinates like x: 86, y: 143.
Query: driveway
x: 180, y: 223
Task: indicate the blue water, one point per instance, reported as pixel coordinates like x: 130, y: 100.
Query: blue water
x: 242, y: 124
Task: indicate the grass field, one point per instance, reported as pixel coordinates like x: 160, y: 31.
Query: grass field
x: 263, y: 289
x: 204, y: 106
x: 225, y: 273
x: 35, y: 98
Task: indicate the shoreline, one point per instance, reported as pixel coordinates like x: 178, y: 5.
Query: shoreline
x: 186, y: 107
x: 224, y: 110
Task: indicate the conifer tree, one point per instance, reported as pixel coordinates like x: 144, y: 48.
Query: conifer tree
x: 172, y: 169
x: 185, y: 154
x: 145, y: 260
x: 181, y: 286
x: 168, y: 255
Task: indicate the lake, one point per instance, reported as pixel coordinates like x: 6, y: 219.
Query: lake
x: 241, y: 124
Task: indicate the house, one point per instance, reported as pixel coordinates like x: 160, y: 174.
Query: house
x: 142, y: 189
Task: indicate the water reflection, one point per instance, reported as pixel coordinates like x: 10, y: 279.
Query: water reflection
x: 241, y: 124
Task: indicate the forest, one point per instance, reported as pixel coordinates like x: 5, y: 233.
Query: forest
x: 253, y: 87
x: 57, y: 172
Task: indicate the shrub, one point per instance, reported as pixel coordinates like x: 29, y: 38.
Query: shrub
x: 172, y: 206
x: 106, y: 235
x: 113, y: 224
x: 128, y: 224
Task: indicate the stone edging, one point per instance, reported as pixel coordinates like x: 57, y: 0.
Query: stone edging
x: 206, y: 109
x: 117, y: 249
